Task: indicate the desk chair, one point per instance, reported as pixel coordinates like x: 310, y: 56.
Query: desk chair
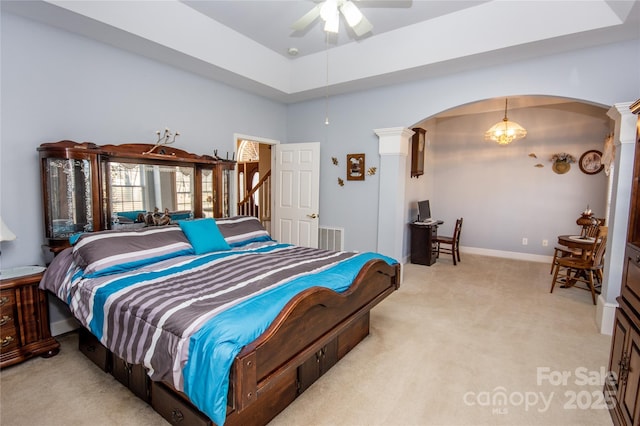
x: 451, y: 244
x: 583, y: 269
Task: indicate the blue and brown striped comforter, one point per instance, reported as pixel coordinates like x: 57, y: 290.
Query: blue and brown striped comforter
x: 185, y: 319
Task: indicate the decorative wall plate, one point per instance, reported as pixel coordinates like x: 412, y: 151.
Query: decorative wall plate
x: 591, y: 162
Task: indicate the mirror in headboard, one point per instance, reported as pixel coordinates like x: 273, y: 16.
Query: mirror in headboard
x: 148, y: 194
x: 88, y: 187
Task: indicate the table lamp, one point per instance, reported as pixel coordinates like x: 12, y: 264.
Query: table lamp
x: 5, y: 233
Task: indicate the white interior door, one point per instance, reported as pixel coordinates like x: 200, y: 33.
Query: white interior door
x: 297, y: 193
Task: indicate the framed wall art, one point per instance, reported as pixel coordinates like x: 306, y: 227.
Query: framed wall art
x: 355, y: 167
x: 591, y: 162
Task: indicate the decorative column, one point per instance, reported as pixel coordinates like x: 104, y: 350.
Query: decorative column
x: 624, y: 138
x: 393, y: 148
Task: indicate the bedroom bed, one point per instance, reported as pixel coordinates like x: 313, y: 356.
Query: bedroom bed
x: 212, y: 321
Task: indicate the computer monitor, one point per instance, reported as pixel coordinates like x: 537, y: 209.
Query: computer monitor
x: 424, y: 211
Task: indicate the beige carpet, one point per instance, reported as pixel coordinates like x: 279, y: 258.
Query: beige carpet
x: 442, y: 351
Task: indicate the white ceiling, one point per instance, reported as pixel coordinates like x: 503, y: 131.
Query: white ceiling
x: 269, y: 21
x: 245, y: 43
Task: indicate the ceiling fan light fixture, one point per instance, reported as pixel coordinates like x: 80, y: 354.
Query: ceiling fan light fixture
x: 328, y: 10
x: 351, y: 13
x: 332, y: 24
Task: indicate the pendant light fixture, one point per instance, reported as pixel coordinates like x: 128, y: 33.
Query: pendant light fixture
x: 505, y: 131
x: 326, y: 87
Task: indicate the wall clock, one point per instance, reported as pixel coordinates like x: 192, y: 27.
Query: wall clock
x: 417, y: 152
x: 591, y: 162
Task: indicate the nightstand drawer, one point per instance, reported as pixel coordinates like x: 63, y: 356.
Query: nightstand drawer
x: 9, y: 339
x: 7, y: 319
x: 24, y: 319
x: 7, y: 301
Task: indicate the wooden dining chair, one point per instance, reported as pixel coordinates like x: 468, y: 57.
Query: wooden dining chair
x: 581, y: 270
x: 563, y: 251
x: 602, y: 231
x: 592, y: 231
x: 450, y: 245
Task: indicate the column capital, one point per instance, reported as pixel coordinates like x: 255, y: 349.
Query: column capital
x: 393, y: 140
x: 625, y: 123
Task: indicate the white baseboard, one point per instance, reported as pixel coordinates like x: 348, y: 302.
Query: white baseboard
x: 507, y: 254
x: 605, y: 316
x: 499, y: 253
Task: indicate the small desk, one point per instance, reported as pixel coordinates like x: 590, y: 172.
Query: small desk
x: 576, y: 242
x: 424, y: 249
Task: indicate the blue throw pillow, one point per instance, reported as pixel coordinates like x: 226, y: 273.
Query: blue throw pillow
x: 204, y: 235
x: 133, y: 214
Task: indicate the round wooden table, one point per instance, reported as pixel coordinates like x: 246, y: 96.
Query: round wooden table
x: 577, y: 242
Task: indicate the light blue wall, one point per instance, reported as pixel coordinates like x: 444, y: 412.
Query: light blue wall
x: 603, y: 75
x: 498, y: 190
x: 57, y: 85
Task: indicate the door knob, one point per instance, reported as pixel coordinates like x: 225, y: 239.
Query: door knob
x: 313, y: 216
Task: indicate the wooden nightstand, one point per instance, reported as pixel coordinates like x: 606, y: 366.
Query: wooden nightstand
x: 24, y: 317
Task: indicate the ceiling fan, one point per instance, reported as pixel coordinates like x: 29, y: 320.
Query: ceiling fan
x: 329, y: 11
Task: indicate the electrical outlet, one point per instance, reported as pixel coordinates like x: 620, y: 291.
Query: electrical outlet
x: 525, y: 241
x: 545, y: 243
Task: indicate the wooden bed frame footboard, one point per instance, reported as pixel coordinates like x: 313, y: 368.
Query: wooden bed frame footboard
x: 313, y: 332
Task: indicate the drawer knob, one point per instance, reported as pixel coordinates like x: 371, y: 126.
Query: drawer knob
x: 4, y: 300
x: 5, y: 319
x: 6, y: 341
x: 176, y: 415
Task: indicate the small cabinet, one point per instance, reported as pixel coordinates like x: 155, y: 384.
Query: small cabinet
x: 424, y: 249
x: 317, y: 365
x: 24, y: 317
x: 91, y: 347
x: 222, y: 188
x: 175, y: 407
x: 205, y: 180
x: 417, y: 152
x: 133, y: 376
x: 70, y: 180
x: 622, y: 388
x: 623, y: 382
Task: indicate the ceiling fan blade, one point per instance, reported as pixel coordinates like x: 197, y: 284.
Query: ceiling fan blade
x: 306, y: 19
x: 351, y: 13
x: 363, y: 27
